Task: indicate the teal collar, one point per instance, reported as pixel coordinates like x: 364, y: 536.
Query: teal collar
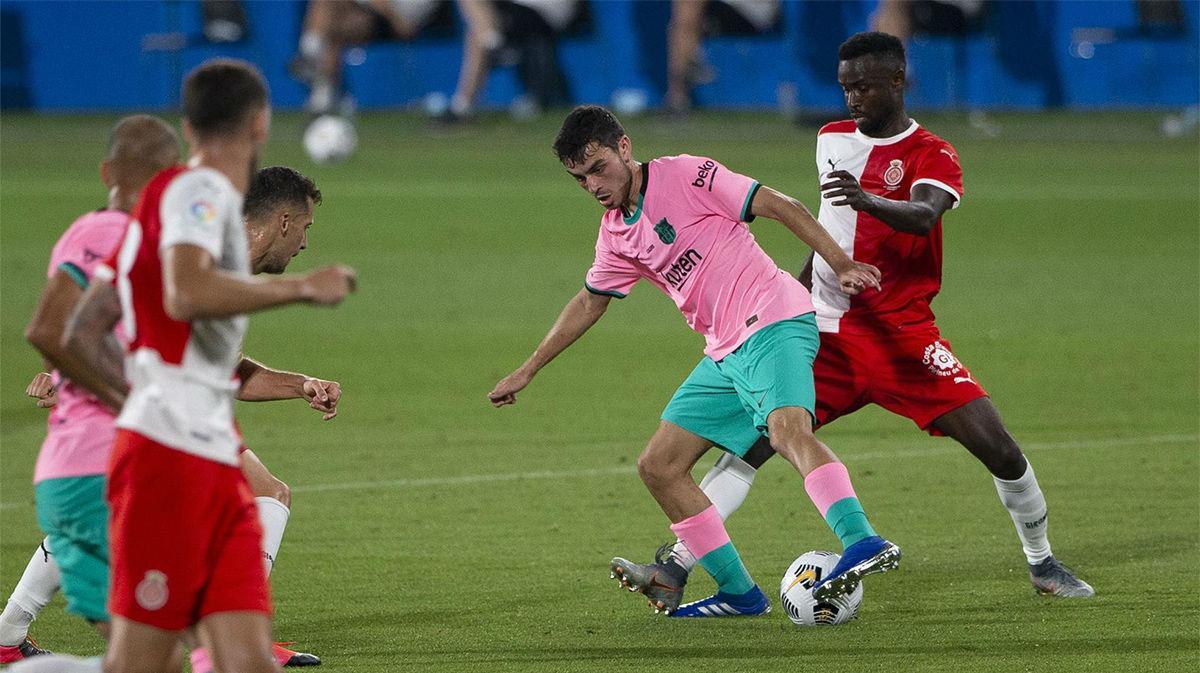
x: 630, y: 220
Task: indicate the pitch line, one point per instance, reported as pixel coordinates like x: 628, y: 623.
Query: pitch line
x: 852, y: 459
x: 629, y: 469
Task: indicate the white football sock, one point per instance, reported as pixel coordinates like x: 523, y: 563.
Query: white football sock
x: 58, y: 663
x: 38, y: 585
x: 1027, y: 506
x: 726, y: 485
x: 273, y: 515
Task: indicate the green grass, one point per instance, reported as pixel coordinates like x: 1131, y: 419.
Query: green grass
x: 1071, y: 290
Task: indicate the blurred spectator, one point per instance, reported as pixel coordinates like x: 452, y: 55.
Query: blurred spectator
x: 332, y: 25
x: 693, y: 19
x: 958, y: 18
x: 513, y: 32
x: 902, y: 18
x: 224, y: 20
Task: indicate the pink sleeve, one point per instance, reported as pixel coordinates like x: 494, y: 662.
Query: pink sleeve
x: 716, y: 189
x: 611, y: 274
x: 83, y: 249
x: 939, y: 167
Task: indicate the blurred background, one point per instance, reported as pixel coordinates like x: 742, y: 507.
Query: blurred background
x: 452, y: 59
x: 1071, y: 279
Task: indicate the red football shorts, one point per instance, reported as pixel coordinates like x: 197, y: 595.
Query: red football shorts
x: 910, y: 373
x: 184, y: 537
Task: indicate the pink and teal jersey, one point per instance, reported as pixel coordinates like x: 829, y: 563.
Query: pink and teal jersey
x: 689, y: 238
x: 80, y: 429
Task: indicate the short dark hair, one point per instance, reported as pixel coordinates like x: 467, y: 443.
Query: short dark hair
x: 585, y: 125
x: 275, y: 186
x: 219, y: 94
x: 873, y: 44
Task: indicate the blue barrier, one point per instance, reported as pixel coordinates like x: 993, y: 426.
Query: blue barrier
x: 60, y: 55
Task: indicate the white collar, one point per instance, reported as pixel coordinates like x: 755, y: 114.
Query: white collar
x: 891, y: 140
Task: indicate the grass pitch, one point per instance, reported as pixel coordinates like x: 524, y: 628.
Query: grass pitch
x: 431, y: 532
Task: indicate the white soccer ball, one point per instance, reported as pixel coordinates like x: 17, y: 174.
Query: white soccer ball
x: 329, y: 139
x: 795, y: 592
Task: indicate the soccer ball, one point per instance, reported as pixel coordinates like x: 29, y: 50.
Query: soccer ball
x: 329, y: 139
x: 795, y: 592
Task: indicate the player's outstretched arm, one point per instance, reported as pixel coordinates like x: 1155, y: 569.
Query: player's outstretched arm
x: 854, y: 276
x: 577, y: 317
x: 914, y: 216
x: 194, y: 288
x: 99, y: 359
x: 263, y: 384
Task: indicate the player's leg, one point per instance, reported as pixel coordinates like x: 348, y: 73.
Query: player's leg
x: 840, y: 389
x: 726, y: 485
x: 773, y: 371
x: 239, y: 641
x: 828, y: 484
x: 705, y: 405
x: 978, y: 427
x: 235, y: 610
x: 665, y: 467
x: 273, y: 499
x: 141, y: 648
x: 33, y: 592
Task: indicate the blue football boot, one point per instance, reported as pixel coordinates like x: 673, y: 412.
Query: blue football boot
x: 750, y: 604
x: 867, y: 556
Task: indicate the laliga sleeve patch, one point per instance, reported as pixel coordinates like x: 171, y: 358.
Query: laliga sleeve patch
x: 203, y: 211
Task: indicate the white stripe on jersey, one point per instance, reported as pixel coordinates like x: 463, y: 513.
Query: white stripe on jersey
x: 941, y: 185
x: 840, y: 152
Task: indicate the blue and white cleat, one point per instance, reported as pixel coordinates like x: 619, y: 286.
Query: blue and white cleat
x: 865, y: 557
x: 750, y: 604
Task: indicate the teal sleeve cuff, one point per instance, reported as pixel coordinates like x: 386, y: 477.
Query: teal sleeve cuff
x: 75, y: 273
x: 609, y: 293
x: 746, y: 215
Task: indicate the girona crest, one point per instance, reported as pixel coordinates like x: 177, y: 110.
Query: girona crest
x: 894, y: 173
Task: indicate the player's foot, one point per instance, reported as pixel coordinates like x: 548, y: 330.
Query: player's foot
x: 1052, y: 578
x: 22, y: 650
x: 750, y: 604
x: 662, y: 581
x: 293, y: 659
x: 865, y: 557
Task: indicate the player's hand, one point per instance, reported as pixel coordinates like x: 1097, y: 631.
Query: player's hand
x: 329, y: 286
x: 42, y: 388
x: 323, y: 396
x: 843, y: 186
x: 506, y: 390
x: 859, y: 277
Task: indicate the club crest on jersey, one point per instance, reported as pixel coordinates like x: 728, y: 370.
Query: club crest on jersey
x: 666, y: 233
x: 893, y: 174
x: 151, y: 593
x: 940, y: 360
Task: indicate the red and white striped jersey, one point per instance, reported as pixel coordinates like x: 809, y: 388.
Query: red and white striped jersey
x: 911, y: 264
x: 181, y: 374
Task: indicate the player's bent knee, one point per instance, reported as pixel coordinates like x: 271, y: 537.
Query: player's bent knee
x: 787, y: 424
x: 283, y: 493
x: 648, y: 469
x: 656, y: 470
